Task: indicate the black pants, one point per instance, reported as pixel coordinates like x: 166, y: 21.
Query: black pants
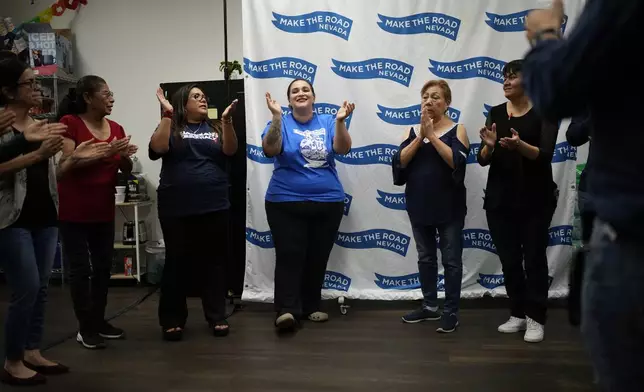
x: 196, y: 253
x: 88, y: 249
x: 303, y: 234
x: 521, y: 240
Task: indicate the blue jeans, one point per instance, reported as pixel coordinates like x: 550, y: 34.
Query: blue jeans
x: 451, y: 246
x: 613, y: 309
x: 27, y: 257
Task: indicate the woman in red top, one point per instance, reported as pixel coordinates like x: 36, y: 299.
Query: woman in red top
x: 86, y: 184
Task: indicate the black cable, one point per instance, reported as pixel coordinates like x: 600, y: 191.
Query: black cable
x: 118, y: 314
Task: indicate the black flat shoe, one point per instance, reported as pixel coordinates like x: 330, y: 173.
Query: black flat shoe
x: 172, y: 336
x: 48, y: 370
x: 220, y: 332
x: 7, y: 378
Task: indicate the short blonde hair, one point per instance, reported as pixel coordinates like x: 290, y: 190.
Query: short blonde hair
x: 447, y: 92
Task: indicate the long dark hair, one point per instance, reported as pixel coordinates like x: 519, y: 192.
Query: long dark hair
x: 179, y: 115
x: 74, y: 102
x: 11, y: 69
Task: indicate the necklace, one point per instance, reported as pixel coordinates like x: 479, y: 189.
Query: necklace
x: 194, y: 130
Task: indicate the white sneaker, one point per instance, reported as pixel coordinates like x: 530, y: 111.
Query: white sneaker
x: 534, y: 333
x: 513, y: 325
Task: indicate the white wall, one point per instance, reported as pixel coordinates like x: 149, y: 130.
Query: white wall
x: 138, y: 44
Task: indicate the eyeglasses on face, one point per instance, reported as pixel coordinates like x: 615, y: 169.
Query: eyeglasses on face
x: 33, y: 84
x: 107, y: 94
x: 198, y: 97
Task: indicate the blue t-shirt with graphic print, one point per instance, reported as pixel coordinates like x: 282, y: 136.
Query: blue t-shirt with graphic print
x: 305, y: 169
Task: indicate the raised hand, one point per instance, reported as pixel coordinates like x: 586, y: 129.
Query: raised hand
x: 165, y: 104
x: 7, y: 118
x: 273, y: 106
x: 545, y: 19
x: 51, y: 146
x: 345, y: 111
x: 488, y: 136
x: 426, y: 124
x: 511, y: 143
x: 40, y: 130
x: 91, y: 150
x: 229, y: 110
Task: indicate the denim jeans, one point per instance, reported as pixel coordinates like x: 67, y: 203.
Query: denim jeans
x: 27, y: 257
x: 613, y: 309
x: 451, y: 246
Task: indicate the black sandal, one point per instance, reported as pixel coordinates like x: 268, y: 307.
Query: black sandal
x: 217, y: 329
x: 173, y: 336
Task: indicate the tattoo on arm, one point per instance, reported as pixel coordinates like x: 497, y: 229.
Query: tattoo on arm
x: 274, y: 134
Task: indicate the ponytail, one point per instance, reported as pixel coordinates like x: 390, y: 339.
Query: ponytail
x: 69, y: 105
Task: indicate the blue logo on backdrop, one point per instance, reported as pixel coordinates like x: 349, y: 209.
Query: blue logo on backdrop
x: 263, y: 239
x: 491, y: 281
x: 478, y: 239
x: 474, y: 151
x: 369, y: 155
x: 318, y: 21
x: 486, y: 109
x: 560, y: 235
x: 409, y: 115
x: 323, y: 108
x: 405, y: 282
x: 375, y: 239
x: 564, y: 152
x: 336, y: 281
x: 394, y: 201
x: 347, y: 203
x: 428, y: 22
x: 475, y: 67
x: 281, y: 67
x: 513, y: 22
x: 378, y: 68
x: 256, y: 153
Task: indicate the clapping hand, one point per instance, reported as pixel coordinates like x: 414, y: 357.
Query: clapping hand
x: 51, y: 146
x: 544, y: 19
x: 511, y: 143
x: 273, y: 106
x: 120, y: 146
x: 41, y: 130
x: 488, y: 136
x: 91, y: 150
x: 229, y: 111
x: 345, y: 111
x: 165, y: 104
x: 426, y: 124
x: 7, y: 118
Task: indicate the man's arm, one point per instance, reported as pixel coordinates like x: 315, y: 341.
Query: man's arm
x: 560, y: 75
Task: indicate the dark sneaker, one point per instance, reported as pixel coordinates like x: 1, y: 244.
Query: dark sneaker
x: 90, y: 341
x: 422, y: 314
x: 108, y: 331
x: 449, y: 322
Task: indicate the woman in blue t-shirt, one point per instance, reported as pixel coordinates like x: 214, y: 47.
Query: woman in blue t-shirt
x: 193, y: 206
x: 431, y: 163
x: 304, y: 200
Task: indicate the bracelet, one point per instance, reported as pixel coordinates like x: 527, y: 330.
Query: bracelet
x: 167, y: 114
x: 538, y: 37
x: 228, y: 120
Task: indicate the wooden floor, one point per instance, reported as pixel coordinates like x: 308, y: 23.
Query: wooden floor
x: 367, y: 350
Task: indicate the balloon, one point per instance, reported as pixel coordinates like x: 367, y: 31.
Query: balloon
x: 58, y: 8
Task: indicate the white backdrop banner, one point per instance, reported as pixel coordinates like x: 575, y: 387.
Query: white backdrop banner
x: 379, y: 54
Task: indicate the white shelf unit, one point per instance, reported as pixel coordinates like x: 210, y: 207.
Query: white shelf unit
x: 60, y: 82
x: 135, y: 205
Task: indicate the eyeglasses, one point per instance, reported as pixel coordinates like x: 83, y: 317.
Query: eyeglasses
x: 33, y: 84
x: 198, y: 97
x: 107, y: 94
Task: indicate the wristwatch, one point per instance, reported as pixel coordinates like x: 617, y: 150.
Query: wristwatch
x: 539, y: 35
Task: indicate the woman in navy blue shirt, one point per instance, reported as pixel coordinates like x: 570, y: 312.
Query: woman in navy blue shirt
x: 193, y: 206
x: 304, y: 200
x: 431, y: 163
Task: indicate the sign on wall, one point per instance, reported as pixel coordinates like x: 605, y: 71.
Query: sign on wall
x: 378, y: 55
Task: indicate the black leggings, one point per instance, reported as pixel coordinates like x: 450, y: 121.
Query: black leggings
x: 303, y: 234
x: 196, y: 250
